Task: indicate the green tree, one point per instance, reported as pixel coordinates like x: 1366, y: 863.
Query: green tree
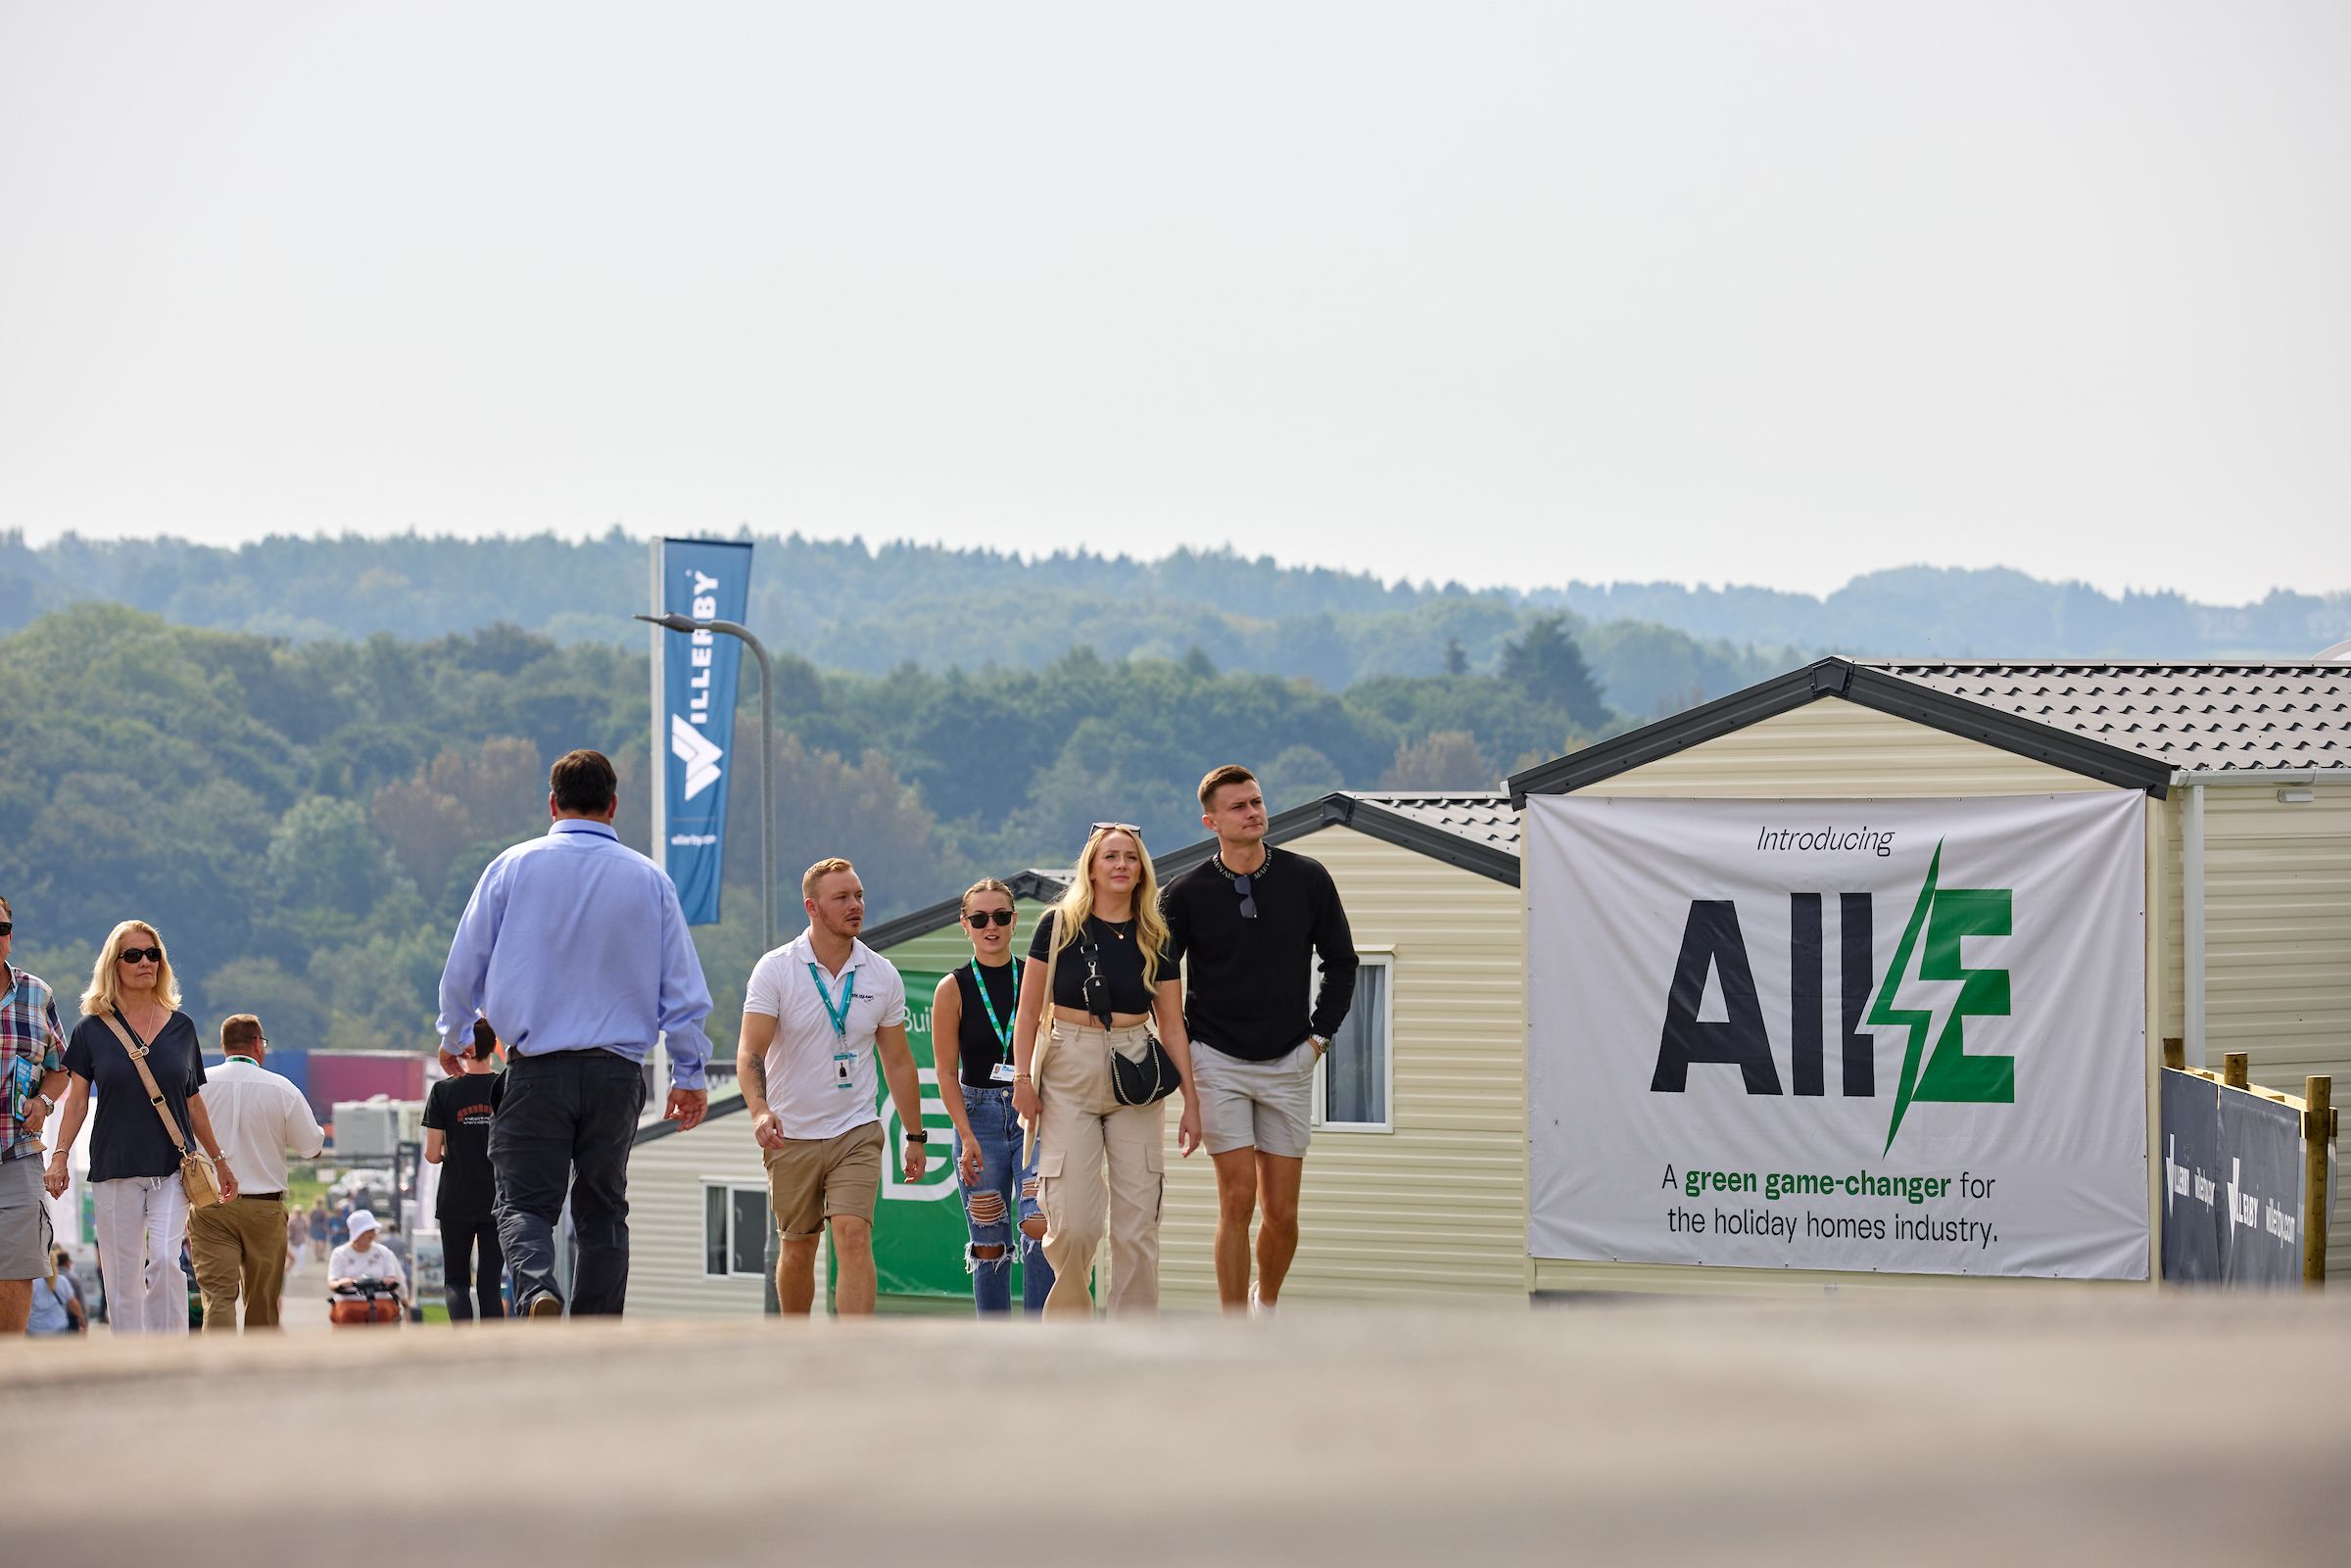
x: 1448, y: 760
x: 1544, y: 664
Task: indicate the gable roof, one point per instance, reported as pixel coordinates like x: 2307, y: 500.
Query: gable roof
x: 1479, y: 833
x: 2131, y: 725
x: 1044, y: 886
x: 2195, y: 718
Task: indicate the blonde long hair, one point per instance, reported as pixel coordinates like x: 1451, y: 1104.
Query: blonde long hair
x: 1077, y: 904
x: 106, y: 982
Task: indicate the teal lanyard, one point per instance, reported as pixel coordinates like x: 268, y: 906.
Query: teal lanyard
x: 848, y: 993
x: 1002, y: 1026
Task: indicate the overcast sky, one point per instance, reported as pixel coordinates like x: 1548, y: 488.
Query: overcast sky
x: 1750, y: 293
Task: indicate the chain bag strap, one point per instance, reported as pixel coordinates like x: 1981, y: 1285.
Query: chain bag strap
x: 1148, y: 1079
x: 196, y: 1170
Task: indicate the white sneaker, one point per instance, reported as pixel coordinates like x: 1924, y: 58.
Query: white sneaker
x: 1257, y: 1309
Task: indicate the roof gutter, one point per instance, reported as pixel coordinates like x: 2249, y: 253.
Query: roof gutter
x: 2184, y: 778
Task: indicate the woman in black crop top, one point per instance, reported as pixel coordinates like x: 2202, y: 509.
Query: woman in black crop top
x: 1105, y: 944
x: 970, y: 1040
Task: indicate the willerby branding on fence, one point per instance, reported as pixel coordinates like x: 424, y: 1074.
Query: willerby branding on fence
x: 1979, y: 965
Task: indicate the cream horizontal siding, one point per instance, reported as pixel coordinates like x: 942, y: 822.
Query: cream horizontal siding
x: 1826, y: 749
x: 2277, y: 943
x: 665, y: 1221
x: 1832, y: 748
x: 1434, y: 1210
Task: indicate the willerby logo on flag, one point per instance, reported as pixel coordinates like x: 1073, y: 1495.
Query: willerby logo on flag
x: 695, y: 681
x: 698, y: 751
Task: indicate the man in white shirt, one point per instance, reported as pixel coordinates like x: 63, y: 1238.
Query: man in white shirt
x: 240, y: 1246
x: 815, y: 1016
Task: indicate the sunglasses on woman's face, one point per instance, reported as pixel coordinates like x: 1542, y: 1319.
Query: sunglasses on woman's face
x: 140, y: 955
x: 978, y: 918
x: 8, y: 927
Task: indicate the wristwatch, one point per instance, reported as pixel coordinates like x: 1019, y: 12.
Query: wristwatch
x: 1321, y: 1043
x: 918, y: 1137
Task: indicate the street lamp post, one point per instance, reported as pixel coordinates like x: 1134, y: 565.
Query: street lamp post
x: 675, y: 622
x: 767, y: 753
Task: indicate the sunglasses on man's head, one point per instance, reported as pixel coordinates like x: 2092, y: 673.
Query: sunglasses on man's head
x: 135, y: 955
x: 983, y: 916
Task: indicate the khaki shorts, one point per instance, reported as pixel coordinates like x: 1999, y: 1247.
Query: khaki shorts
x: 1263, y: 1106
x: 810, y: 1180
x: 22, y: 1254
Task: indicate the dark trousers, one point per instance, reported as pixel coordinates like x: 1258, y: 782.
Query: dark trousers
x: 458, y: 1240
x: 565, y: 1124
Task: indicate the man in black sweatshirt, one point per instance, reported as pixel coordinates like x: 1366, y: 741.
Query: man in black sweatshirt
x: 1249, y: 926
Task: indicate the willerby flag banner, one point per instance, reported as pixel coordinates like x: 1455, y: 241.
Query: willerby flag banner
x: 695, y: 680
x: 1900, y: 1037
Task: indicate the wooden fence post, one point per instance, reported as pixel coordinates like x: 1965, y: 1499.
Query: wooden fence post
x: 2318, y: 1124
x: 2233, y: 1069
x: 2175, y: 1051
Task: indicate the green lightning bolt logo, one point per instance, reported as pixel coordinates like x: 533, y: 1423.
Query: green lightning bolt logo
x: 1945, y: 915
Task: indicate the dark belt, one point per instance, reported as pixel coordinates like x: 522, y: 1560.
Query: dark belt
x: 583, y: 1051
x: 264, y: 1197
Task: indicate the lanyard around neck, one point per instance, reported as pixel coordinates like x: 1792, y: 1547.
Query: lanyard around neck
x: 849, y: 994
x: 1001, y: 1027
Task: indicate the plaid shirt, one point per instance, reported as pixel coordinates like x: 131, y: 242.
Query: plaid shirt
x: 31, y: 1047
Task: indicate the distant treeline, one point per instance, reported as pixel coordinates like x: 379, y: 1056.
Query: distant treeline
x: 303, y: 820
x: 1653, y: 647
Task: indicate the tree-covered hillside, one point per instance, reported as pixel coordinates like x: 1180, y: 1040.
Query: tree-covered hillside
x: 304, y: 820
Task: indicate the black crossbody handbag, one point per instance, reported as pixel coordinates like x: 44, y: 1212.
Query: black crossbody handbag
x: 1142, y: 1080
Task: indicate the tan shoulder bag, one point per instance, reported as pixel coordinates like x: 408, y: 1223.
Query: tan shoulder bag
x: 196, y: 1172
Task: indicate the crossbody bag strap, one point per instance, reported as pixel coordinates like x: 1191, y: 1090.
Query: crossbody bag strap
x: 154, y: 1096
x: 1045, y: 1038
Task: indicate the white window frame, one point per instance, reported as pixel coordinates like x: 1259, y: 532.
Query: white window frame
x: 732, y: 1185
x: 1366, y: 958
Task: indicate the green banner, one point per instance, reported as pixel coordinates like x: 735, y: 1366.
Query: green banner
x: 919, y: 1231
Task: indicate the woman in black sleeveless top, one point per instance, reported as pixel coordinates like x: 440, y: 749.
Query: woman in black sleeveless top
x: 970, y: 1038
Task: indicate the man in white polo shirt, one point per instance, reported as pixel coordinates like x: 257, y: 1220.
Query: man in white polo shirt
x: 816, y: 1013
x: 239, y: 1247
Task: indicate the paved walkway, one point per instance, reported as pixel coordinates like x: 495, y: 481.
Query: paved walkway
x: 1985, y: 1427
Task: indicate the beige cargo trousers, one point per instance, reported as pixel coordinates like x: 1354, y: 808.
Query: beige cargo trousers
x: 1083, y: 1129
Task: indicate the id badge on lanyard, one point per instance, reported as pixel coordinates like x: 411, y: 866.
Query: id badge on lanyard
x: 1000, y: 1027
x: 844, y: 1058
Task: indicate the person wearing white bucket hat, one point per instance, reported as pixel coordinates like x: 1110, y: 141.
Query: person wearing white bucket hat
x: 362, y: 1256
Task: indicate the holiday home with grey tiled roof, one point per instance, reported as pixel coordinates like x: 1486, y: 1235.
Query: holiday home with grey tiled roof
x: 2245, y: 767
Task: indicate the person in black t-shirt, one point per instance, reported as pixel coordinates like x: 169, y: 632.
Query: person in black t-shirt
x: 1110, y: 976
x: 1251, y: 923
x: 457, y: 1137
x: 972, y: 1015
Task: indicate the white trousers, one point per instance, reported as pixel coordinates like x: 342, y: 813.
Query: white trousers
x: 141, y: 1222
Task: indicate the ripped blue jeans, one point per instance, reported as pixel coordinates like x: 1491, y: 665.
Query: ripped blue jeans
x: 1005, y: 1189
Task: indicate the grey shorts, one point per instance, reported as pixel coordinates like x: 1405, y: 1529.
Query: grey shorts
x: 21, y: 1256
x: 1266, y: 1105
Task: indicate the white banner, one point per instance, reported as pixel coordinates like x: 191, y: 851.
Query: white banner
x: 1895, y: 1037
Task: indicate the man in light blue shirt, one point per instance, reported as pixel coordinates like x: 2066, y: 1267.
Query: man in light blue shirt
x: 574, y: 948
